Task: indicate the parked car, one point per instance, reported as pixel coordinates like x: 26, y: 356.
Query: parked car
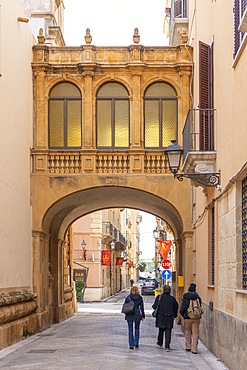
x: 149, y: 286
x: 140, y: 282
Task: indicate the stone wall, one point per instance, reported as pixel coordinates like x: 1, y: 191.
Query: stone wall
x: 225, y: 335
x: 17, y: 316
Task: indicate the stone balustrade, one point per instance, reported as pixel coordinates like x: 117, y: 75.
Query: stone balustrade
x: 75, y: 162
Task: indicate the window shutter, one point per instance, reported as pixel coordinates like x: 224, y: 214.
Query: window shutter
x: 211, y: 97
x: 180, y: 8
x: 177, y: 8
x: 243, y: 6
x: 203, y: 75
x: 236, y: 10
x: 205, y: 96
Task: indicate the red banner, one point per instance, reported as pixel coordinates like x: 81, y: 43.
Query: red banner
x: 119, y: 261
x: 106, y: 258
x: 130, y: 264
x: 164, y: 247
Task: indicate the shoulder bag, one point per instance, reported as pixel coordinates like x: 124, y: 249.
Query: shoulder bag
x: 154, y: 313
x: 128, y: 307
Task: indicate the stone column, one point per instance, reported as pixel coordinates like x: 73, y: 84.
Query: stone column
x: 187, y: 256
x: 56, y: 270
x: 41, y: 270
x: 40, y: 113
x: 136, y: 130
x: 87, y: 137
x: 185, y: 99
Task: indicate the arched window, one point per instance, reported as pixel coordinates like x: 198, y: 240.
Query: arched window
x: 112, y: 116
x: 160, y: 115
x: 65, y: 116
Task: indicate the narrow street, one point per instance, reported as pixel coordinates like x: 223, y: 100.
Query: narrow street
x: 96, y: 338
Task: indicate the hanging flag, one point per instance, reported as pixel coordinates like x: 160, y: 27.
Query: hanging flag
x: 119, y: 261
x: 164, y: 247
x: 106, y: 258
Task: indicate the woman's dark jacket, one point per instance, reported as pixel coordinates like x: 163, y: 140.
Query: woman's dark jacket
x: 167, y: 310
x: 139, y: 308
x: 186, y: 302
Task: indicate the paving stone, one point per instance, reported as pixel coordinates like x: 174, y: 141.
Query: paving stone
x: 97, y: 338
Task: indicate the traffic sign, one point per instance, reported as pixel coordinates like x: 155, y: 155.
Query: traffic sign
x: 166, y: 264
x: 166, y: 274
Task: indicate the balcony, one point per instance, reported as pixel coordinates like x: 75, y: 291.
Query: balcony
x: 110, y: 232
x: 178, y: 21
x: 199, y: 155
x: 62, y: 162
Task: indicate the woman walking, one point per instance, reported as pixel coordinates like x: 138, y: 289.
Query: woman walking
x: 134, y: 319
x: 167, y: 311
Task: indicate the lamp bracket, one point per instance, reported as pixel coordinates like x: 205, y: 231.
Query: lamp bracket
x: 206, y: 179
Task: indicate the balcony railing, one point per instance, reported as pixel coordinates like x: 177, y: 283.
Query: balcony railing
x: 109, y: 230
x: 198, y: 132
x: 61, y: 162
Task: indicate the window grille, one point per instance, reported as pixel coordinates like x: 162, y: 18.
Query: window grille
x: 113, y: 116
x: 160, y: 115
x: 244, y: 232
x: 65, y: 117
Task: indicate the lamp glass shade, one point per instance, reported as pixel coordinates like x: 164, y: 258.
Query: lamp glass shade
x: 174, y: 154
x: 155, y: 234
x: 112, y: 245
x: 83, y: 244
x: 174, y: 158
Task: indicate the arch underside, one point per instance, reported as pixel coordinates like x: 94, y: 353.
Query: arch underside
x: 69, y: 208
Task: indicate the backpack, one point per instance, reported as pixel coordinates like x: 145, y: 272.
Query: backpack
x: 195, y: 310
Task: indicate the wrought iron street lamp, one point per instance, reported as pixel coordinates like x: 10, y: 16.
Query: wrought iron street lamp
x: 174, y: 155
x: 83, y: 246
x: 156, y: 234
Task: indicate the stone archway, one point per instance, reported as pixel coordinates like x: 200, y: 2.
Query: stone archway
x: 48, y: 244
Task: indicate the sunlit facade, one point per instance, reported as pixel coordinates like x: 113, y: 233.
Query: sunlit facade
x: 218, y: 33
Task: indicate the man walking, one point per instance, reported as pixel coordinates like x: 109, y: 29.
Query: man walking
x: 166, y: 312
x: 191, y: 325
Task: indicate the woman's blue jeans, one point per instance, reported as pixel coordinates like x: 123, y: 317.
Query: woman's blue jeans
x: 134, y: 337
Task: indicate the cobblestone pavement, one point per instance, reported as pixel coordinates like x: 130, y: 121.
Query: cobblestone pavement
x: 96, y: 338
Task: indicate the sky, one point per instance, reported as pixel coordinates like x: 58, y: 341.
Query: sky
x: 112, y: 22
x: 147, y: 241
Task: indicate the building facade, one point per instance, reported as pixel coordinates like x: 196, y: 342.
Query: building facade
x: 217, y: 31
x: 123, y: 107
x: 16, y: 101
x: 106, y: 251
